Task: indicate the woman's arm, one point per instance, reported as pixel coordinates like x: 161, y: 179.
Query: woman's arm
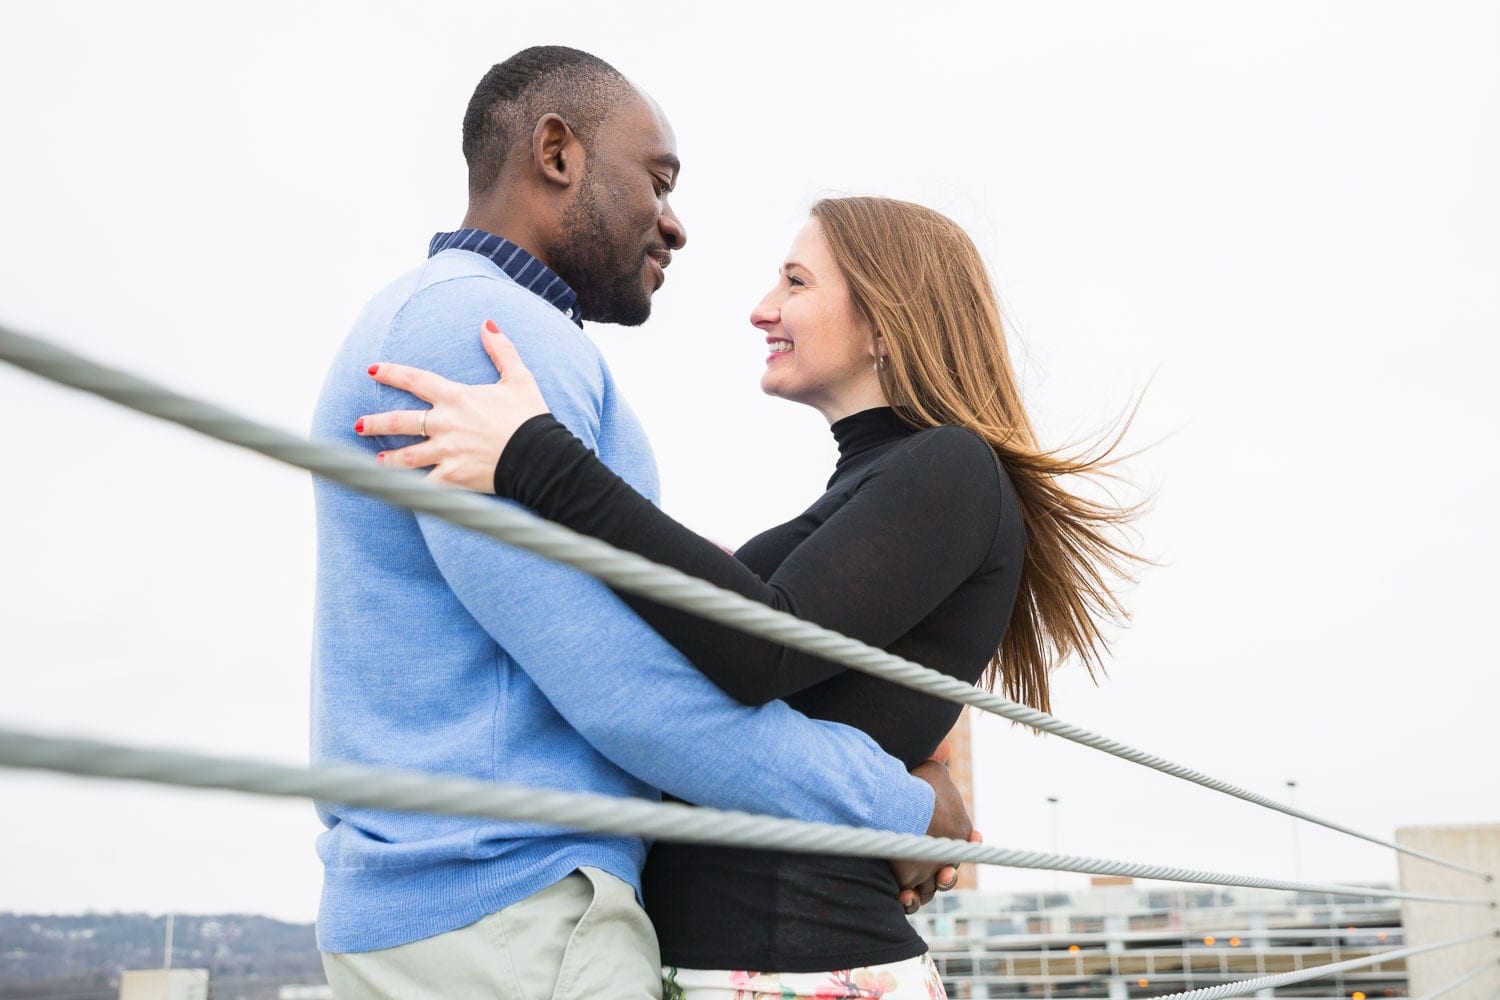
x: 908, y: 537
x: 915, y: 529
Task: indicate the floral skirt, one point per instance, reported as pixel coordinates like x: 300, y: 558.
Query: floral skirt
x: 914, y: 979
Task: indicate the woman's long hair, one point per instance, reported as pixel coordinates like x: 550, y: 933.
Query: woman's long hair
x: 917, y: 278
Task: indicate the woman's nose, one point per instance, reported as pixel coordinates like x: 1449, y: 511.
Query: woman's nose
x: 766, y: 313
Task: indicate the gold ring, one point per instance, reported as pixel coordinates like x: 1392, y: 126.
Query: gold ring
x: 422, y: 424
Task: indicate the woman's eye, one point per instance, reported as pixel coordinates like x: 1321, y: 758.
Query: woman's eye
x: 795, y: 281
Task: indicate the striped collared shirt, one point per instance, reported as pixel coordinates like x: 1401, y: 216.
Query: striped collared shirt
x: 528, y: 272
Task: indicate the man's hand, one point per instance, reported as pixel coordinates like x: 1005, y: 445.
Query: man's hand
x: 919, y: 879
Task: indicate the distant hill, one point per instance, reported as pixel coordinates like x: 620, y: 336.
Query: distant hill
x: 81, y: 957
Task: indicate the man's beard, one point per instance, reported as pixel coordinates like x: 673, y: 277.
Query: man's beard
x: 605, y: 277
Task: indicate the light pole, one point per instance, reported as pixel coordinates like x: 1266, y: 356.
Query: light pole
x: 1056, y: 840
x: 1291, y: 800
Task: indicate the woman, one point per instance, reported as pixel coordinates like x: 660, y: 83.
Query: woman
x: 945, y: 536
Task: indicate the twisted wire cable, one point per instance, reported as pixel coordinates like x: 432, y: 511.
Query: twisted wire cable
x: 624, y: 571
x: 1245, y: 987
x: 409, y: 791
x: 1483, y: 967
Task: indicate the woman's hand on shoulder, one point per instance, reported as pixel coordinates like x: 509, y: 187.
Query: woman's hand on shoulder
x: 468, y: 426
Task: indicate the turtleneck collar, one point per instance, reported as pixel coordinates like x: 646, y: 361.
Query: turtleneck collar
x: 860, y: 433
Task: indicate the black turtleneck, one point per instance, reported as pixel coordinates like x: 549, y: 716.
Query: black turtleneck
x: 916, y: 548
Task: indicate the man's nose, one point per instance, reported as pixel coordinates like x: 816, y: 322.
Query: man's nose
x: 672, y: 230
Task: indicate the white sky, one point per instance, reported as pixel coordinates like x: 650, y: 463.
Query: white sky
x: 1282, y: 217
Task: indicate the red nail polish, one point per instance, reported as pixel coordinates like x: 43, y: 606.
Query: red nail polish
x: 490, y: 327
x: 380, y: 457
x: 359, y: 426
x: 374, y: 369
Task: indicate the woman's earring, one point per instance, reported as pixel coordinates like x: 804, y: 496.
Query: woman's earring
x: 879, y: 363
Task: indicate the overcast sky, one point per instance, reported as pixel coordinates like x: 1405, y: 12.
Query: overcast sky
x: 1277, y: 221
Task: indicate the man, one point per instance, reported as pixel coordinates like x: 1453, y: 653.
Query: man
x: 442, y: 651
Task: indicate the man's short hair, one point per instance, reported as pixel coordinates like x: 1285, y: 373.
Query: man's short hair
x: 579, y: 87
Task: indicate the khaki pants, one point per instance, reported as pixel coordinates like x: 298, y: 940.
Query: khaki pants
x: 584, y: 938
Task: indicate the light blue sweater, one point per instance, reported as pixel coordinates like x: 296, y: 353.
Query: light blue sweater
x: 440, y: 651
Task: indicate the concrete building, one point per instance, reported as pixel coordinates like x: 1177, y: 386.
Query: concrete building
x: 164, y: 984
x: 1476, y: 846
x: 1121, y: 940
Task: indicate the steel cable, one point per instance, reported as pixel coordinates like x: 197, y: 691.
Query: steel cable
x: 621, y: 570
x: 410, y: 791
x: 1245, y: 987
x: 1479, y: 970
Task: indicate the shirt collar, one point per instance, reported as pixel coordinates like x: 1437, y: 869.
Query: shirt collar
x: 528, y: 272
x: 865, y: 431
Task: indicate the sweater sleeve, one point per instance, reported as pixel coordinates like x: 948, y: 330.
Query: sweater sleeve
x: 917, y: 527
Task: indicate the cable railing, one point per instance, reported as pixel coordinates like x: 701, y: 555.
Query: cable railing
x: 621, y: 570
x: 1245, y: 987
x: 1487, y: 965
x: 411, y: 791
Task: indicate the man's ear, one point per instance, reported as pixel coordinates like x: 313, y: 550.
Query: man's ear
x: 556, y: 151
